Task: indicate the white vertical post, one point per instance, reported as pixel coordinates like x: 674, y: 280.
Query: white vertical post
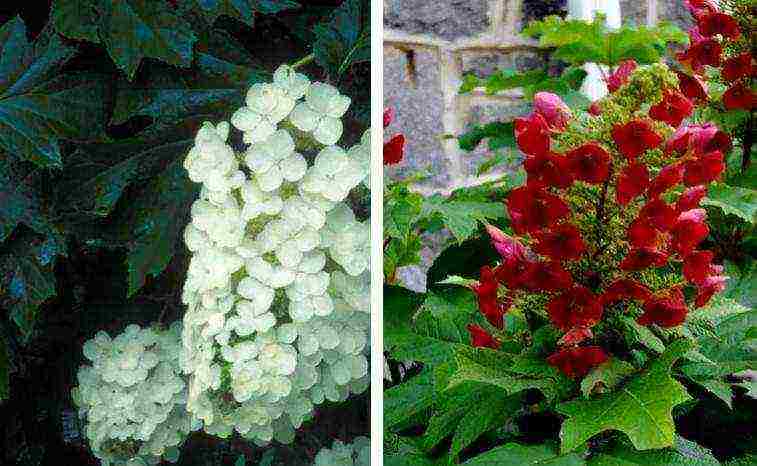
x: 594, y: 86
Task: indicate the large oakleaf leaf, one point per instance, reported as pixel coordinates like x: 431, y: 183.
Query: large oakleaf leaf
x: 641, y: 408
x: 130, y: 30
x: 19, y: 200
x: 243, y: 10
x: 157, y: 219
x: 36, y: 108
x: 345, y: 39
x: 514, y: 454
x: 26, y: 278
x: 684, y: 453
x: 216, y: 88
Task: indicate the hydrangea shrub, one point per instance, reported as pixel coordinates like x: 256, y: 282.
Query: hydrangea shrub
x: 277, y: 290
x: 357, y: 453
x: 608, y: 222
x: 133, y: 396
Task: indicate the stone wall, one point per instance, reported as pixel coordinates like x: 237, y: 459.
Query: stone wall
x: 430, y: 44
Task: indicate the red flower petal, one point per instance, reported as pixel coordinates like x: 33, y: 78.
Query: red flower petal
x: 697, y: 266
x: 577, y: 307
x: 532, y: 208
x: 739, y: 96
x: 562, y: 242
x: 690, y: 230
x: 700, y: 7
x: 692, y: 87
x: 589, y: 163
x: 634, y: 138
x: 690, y: 198
x: 621, y: 74
x: 672, y: 109
x: 719, y: 23
x: 550, y: 169
x: 700, y: 53
x: 515, y: 260
x: 632, y: 181
x: 594, y: 109
x: 668, y: 177
x: 577, y: 361
x: 641, y: 234
x: 703, y: 170
x: 711, y: 285
x: 737, y: 67
x: 658, y: 214
x: 532, y: 134
x: 679, y: 142
x: 642, y: 258
x: 666, y: 310
x: 624, y: 288
x: 701, y: 139
x: 575, y: 336
x: 480, y: 338
x: 388, y: 116
x: 553, y: 109
x: 394, y: 150
x: 547, y: 276
x: 486, y: 294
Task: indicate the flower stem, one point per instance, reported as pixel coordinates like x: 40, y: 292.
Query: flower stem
x: 303, y: 61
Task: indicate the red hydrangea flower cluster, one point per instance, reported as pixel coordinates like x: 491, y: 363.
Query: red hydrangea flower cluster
x: 555, y: 246
x: 394, y: 149
x: 714, y: 30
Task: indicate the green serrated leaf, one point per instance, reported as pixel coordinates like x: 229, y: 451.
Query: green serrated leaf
x: 130, y: 30
x: 733, y: 200
x: 494, y: 368
x: 500, y: 133
x: 651, y: 396
x: 156, y: 224
x: 76, y: 19
x: 37, y: 109
x: 639, y: 334
x: 463, y: 217
x: 479, y: 418
x: 725, y: 347
x: 27, y: 278
x: 513, y: 454
x: 400, y: 213
x: 684, y: 453
x: 408, y: 399
x: 20, y: 201
x: 457, y: 280
x: 345, y: 39
x: 400, y: 304
x: 243, y: 10
x: 607, y: 376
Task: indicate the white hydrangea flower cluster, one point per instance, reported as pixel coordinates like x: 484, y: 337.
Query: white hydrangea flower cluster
x: 133, y: 396
x: 358, y: 453
x: 277, y: 290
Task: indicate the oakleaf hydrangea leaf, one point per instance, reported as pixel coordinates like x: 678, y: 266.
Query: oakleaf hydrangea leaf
x: 156, y: 224
x: 514, y: 454
x: 650, y: 397
x: 684, y: 453
x: 129, y: 29
x: 243, y: 10
x: 733, y: 200
x: 606, y: 376
x: 345, y: 39
x: 36, y: 110
x: 27, y: 278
